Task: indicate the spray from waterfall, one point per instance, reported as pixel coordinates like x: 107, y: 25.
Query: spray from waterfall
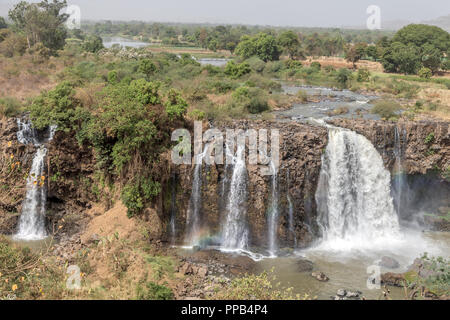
x: 32, y: 219
x: 354, y: 201
x: 235, y: 230
x: 273, y: 212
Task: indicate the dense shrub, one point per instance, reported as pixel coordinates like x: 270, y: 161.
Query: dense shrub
x: 9, y: 107
x: 316, y: 65
x: 256, y: 64
x: 343, y: 76
x: 254, y: 100
x: 58, y: 107
x: 92, y: 43
x: 154, y: 291
x: 137, y: 192
x: 176, y: 106
x: 363, y: 75
x: 425, y: 73
x: 386, y: 109
x: 235, y: 70
x: 147, y: 67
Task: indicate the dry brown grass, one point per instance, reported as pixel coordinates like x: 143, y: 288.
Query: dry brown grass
x: 22, y: 78
x: 342, y: 63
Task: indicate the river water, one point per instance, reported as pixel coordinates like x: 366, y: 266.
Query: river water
x: 325, y: 101
x: 108, y: 42
x: 347, y: 269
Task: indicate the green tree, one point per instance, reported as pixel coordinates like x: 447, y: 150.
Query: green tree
x: 401, y: 58
x: 289, y: 42
x: 147, y: 67
x: 176, y: 106
x: 41, y: 22
x: 431, y: 57
x: 3, y: 24
x: 235, y: 70
x: 421, y: 34
x: 343, y: 76
x: 93, y: 44
x: 262, y: 45
x: 354, y: 53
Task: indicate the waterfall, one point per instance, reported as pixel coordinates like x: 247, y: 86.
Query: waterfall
x: 173, y: 209
x: 354, y: 201
x: 193, y: 223
x: 235, y: 230
x: 273, y: 212
x: 291, y: 211
x: 399, y: 174
x: 32, y: 218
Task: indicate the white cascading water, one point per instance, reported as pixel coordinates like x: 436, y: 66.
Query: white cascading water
x: 235, y: 230
x: 399, y: 181
x: 354, y: 201
x: 273, y: 213
x: 193, y: 221
x: 173, y: 210
x: 32, y: 219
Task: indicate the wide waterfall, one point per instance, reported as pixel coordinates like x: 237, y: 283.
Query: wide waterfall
x: 32, y: 218
x: 235, y: 229
x: 355, y: 206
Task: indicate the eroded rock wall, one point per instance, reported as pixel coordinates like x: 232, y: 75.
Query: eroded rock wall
x: 301, y: 148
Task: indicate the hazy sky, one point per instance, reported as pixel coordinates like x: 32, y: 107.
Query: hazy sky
x: 320, y: 13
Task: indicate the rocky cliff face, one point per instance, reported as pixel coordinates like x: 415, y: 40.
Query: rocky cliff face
x: 73, y: 187
x: 15, y: 162
x: 301, y: 148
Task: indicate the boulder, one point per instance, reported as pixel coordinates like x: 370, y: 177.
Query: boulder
x: 393, y: 279
x: 388, y: 262
x: 304, y: 265
x: 320, y: 276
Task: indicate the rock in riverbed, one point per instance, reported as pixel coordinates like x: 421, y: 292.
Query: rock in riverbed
x: 343, y: 294
x: 320, y: 276
x: 304, y: 265
x: 389, y: 263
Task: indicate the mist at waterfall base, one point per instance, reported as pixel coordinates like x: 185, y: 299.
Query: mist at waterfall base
x: 31, y: 225
x: 357, y: 213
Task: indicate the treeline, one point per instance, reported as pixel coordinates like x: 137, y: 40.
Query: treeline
x: 40, y: 28
x: 318, y: 41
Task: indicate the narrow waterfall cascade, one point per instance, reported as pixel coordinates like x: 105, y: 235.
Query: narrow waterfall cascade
x: 193, y: 223
x: 400, y: 187
x: 173, y: 209
x: 32, y: 219
x: 273, y: 213
x: 355, y: 206
x: 235, y: 230
x: 291, y: 212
